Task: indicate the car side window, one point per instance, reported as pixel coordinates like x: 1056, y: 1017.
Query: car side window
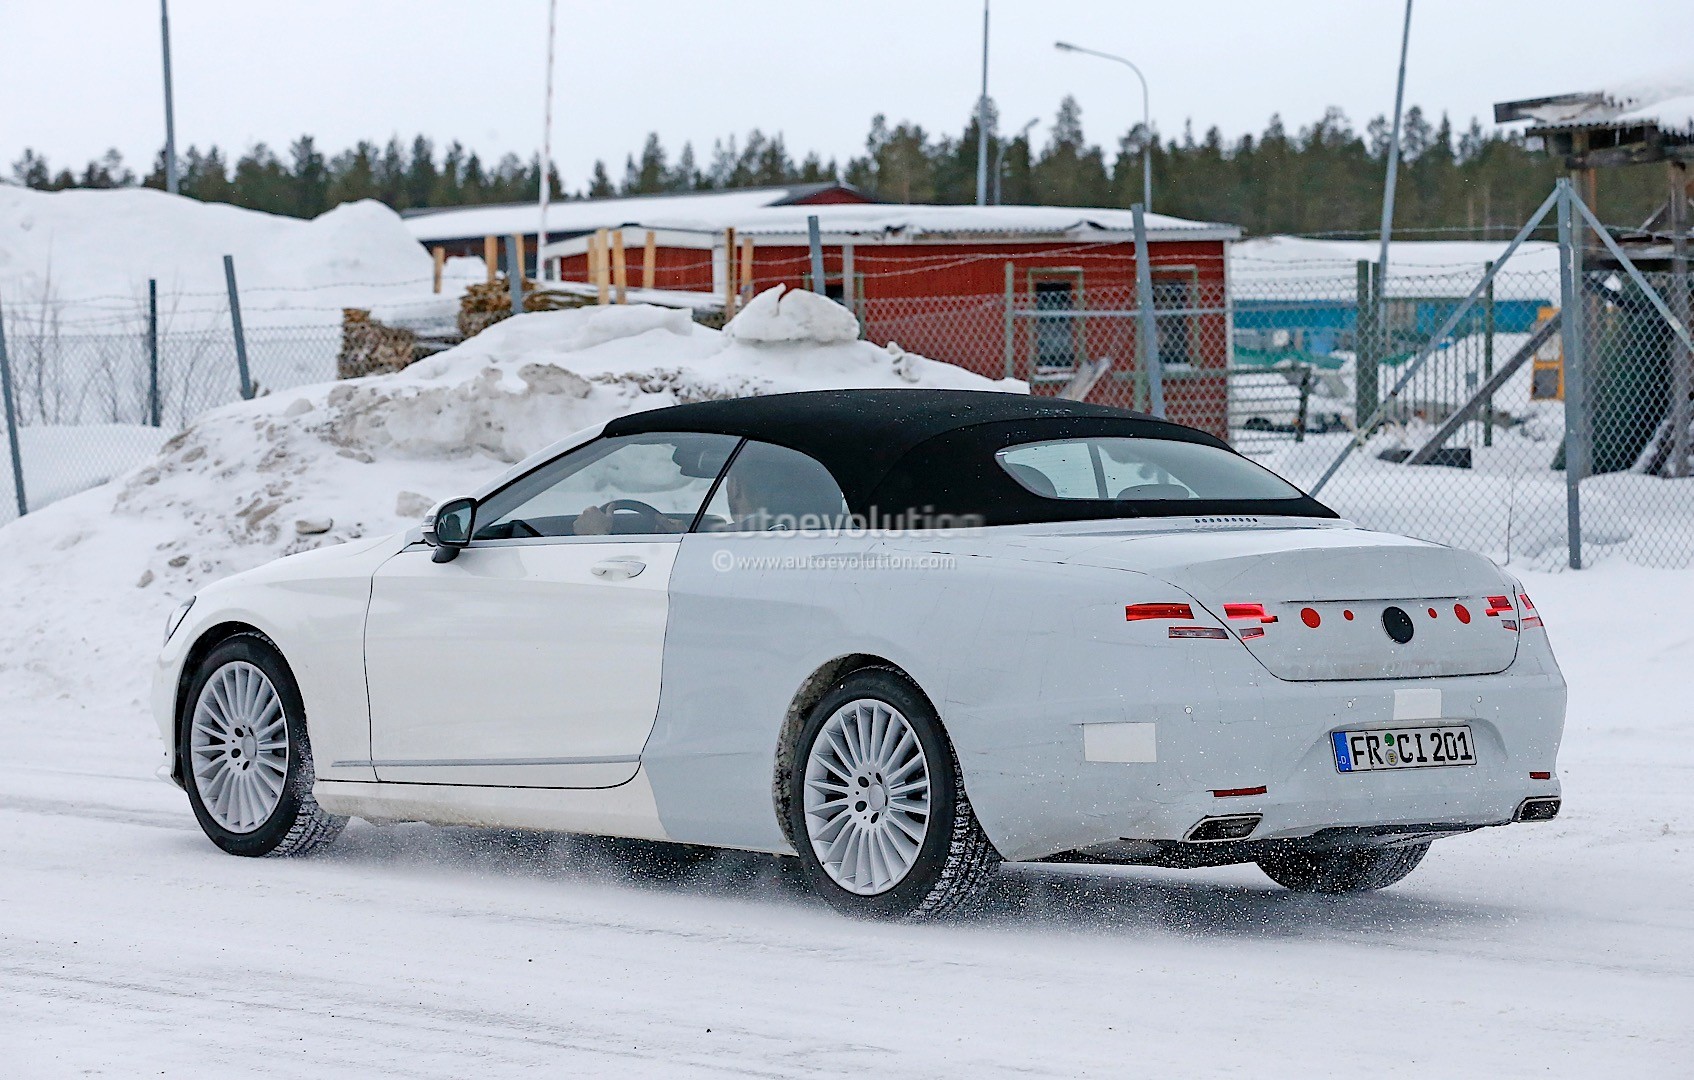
x: 629, y: 485
x: 1134, y: 469
x: 774, y: 489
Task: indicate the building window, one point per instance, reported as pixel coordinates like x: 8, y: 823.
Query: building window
x: 1174, y: 292
x: 1057, y: 338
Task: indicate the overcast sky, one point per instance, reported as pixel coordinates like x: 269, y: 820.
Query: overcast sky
x: 78, y: 76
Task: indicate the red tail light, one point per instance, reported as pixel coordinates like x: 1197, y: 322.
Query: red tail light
x: 1138, y: 612
x: 1248, y: 611
x: 1530, y: 618
x: 1498, y: 605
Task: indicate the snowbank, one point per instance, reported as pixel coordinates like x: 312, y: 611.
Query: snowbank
x: 87, y: 256
x: 332, y: 462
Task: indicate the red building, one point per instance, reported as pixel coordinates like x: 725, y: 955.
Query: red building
x: 1019, y: 291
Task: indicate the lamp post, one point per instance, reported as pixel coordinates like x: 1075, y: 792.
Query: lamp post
x: 546, y: 192
x: 170, y: 111
x: 982, y: 119
x: 1146, y: 115
x: 1000, y: 159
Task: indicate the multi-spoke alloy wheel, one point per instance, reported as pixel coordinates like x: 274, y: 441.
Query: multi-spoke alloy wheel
x: 876, y: 807
x: 238, y: 742
x: 867, y: 796
x: 244, y: 756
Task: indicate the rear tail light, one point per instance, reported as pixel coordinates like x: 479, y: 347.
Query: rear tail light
x: 1498, y: 605
x: 1138, y: 612
x: 1248, y: 611
x: 1530, y: 618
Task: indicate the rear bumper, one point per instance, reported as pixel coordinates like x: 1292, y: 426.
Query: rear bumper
x: 1043, y: 798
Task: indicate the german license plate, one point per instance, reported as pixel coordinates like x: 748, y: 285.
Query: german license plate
x: 1404, y: 748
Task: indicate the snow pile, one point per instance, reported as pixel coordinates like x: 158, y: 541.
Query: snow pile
x: 774, y: 316
x: 338, y: 461
x: 87, y: 255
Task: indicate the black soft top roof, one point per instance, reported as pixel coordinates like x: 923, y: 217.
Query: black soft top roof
x: 931, y: 452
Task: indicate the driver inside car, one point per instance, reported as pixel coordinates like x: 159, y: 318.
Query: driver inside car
x: 598, y: 521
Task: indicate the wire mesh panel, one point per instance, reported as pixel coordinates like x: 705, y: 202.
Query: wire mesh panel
x: 1471, y: 449
x: 91, y: 406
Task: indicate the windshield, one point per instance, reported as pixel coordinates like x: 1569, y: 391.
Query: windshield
x: 1137, y: 469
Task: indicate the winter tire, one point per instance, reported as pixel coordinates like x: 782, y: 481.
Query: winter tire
x: 877, y: 805
x: 246, y: 762
x: 1354, y: 871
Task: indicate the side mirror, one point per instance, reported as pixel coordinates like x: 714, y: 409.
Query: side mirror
x: 449, y: 528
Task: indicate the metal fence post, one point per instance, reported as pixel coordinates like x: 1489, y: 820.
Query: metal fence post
x: 1576, y: 403
x: 1011, y: 327
x: 235, y: 324
x: 1300, y: 417
x: 153, y: 352
x: 1488, y: 359
x: 514, y: 272
x: 1364, y: 343
x: 11, y: 420
x: 1148, y: 346
x: 1680, y: 354
x: 814, y: 241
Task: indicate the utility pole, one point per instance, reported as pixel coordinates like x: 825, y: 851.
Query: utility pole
x: 1393, y: 155
x: 982, y: 119
x: 546, y: 151
x: 170, y: 111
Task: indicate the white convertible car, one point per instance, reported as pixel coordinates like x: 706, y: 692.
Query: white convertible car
x: 904, y: 635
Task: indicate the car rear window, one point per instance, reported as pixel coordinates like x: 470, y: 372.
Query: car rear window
x: 1138, y: 469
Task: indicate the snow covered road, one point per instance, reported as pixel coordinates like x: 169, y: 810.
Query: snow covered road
x: 129, y: 945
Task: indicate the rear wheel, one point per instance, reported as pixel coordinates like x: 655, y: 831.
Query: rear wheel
x: 1351, y: 871
x: 246, y: 761
x: 877, y: 806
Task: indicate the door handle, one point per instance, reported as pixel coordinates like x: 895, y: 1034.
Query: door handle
x: 617, y: 569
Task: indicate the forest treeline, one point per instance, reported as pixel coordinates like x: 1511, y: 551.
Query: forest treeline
x: 1325, y: 177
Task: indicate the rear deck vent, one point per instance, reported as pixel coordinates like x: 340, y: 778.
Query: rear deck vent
x: 1232, y: 522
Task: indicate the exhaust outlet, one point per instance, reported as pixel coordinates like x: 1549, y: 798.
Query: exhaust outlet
x: 1538, y: 808
x: 1229, y: 827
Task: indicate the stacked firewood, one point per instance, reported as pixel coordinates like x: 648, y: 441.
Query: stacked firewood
x: 369, y: 346
x: 486, y: 303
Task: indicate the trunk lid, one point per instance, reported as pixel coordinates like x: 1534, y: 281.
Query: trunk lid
x: 1336, y: 602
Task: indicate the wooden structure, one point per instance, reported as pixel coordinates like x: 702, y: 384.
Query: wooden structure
x: 461, y: 230
x: 1636, y: 127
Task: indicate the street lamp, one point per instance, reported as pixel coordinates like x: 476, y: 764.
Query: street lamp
x: 1146, y: 116
x: 1000, y: 159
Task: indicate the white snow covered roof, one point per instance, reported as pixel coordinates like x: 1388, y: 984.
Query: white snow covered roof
x: 585, y: 215
x: 1296, y: 267
x: 1666, y: 102
x: 905, y: 223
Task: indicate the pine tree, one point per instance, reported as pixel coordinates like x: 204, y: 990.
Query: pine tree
x: 601, y: 186
x: 309, y: 179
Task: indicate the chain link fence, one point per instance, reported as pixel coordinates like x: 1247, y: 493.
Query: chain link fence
x: 1468, y: 375
x: 87, y: 407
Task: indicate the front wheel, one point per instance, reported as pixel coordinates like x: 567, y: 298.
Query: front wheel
x: 1352, y: 871
x: 246, y: 760
x: 877, y: 806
